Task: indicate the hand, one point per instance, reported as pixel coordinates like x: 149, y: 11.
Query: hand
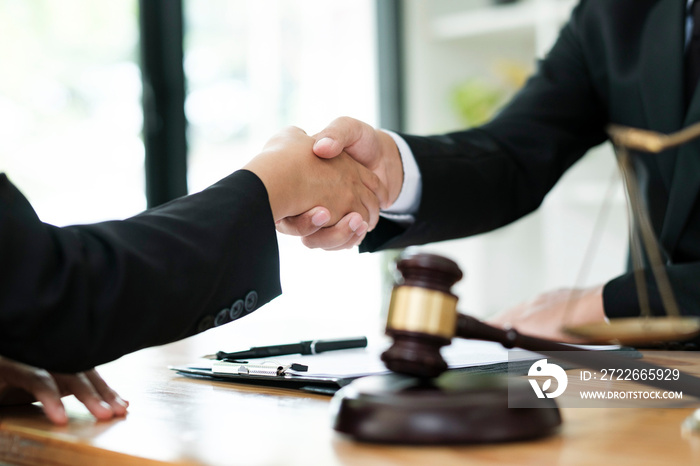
x: 297, y: 180
x: 549, y: 312
x: 23, y: 384
x: 375, y: 150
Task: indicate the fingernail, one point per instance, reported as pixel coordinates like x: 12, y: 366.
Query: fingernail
x: 121, y: 401
x: 324, y: 142
x: 363, y: 229
x: 320, y: 218
x: 355, y: 223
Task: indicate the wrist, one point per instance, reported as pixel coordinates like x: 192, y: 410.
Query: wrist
x: 594, y: 306
x: 391, y: 172
x: 268, y: 173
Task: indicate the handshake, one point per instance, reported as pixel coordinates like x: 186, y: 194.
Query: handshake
x: 329, y: 188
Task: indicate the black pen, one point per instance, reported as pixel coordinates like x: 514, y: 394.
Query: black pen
x: 304, y: 347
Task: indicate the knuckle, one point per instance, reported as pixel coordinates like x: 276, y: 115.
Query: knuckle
x: 41, y: 381
x: 107, y: 394
x: 41, y: 377
x: 309, y: 242
x: 373, y: 180
x: 289, y: 230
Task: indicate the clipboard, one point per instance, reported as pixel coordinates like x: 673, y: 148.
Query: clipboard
x: 265, y: 373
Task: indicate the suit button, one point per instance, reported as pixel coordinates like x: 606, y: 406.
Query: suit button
x: 222, y: 317
x: 206, y: 323
x: 236, y: 309
x: 251, y: 300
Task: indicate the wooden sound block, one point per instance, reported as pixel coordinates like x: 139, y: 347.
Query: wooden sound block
x: 455, y: 408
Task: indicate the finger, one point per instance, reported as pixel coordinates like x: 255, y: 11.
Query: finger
x: 341, y: 133
x: 371, y: 203
x: 304, y: 224
x: 118, y: 404
x: 52, y: 405
x: 360, y: 239
x: 328, y: 147
x: 354, y: 241
x: 503, y: 319
x: 80, y: 386
x: 374, y: 184
x: 43, y: 387
x: 360, y: 206
x: 38, y: 383
x: 339, y: 234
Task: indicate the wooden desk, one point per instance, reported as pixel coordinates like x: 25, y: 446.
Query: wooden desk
x: 173, y: 419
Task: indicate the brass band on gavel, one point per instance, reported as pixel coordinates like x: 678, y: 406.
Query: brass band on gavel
x: 423, y: 310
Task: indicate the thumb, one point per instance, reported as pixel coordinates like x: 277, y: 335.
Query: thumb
x: 327, y: 147
x: 339, y: 135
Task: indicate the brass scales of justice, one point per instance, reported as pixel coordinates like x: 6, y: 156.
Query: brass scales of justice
x: 422, y: 404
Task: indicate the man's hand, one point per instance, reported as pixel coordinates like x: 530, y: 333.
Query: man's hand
x: 375, y: 150
x: 297, y: 180
x: 23, y: 384
x: 371, y: 147
x: 549, y: 312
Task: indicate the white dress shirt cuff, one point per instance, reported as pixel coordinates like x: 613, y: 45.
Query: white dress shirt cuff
x: 406, y: 205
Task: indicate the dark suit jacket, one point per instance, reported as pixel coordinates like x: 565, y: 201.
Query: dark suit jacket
x: 616, y: 61
x: 74, y: 297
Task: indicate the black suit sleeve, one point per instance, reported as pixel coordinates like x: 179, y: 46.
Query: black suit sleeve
x: 478, y: 180
x: 75, y: 297
x: 621, y: 299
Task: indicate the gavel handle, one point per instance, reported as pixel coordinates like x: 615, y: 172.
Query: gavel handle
x: 471, y: 328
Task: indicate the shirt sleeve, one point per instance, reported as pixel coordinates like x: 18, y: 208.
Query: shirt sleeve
x: 406, y: 205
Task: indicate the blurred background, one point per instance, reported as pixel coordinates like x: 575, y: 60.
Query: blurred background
x: 73, y: 140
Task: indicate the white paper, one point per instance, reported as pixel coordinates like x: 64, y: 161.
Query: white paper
x: 361, y: 362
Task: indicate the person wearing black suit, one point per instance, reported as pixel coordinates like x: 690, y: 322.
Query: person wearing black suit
x: 617, y: 62
x: 75, y: 297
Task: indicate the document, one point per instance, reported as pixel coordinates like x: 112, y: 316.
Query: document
x: 338, y: 368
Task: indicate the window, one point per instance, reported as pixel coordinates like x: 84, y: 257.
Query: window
x: 70, y: 108
x: 71, y: 123
x: 253, y: 68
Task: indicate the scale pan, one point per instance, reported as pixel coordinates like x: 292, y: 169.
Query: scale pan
x: 638, y: 330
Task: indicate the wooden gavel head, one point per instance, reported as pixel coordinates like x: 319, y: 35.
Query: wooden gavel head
x: 422, y: 315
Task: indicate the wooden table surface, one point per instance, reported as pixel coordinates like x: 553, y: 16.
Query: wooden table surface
x: 174, y: 419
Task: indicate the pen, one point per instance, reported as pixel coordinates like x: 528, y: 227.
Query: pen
x: 304, y: 347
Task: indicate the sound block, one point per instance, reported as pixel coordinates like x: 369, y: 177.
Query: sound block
x: 455, y: 408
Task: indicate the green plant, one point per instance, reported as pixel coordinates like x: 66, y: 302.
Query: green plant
x: 476, y: 100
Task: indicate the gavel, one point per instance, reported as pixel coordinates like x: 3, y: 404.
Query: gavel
x: 423, y: 317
